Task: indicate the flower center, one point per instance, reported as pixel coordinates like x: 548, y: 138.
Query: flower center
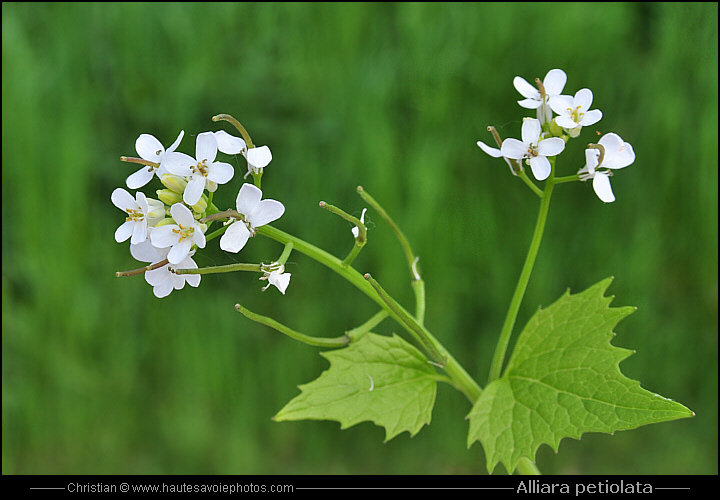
x: 577, y: 114
x: 184, y: 232
x: 201, y: 168
x: 134, y: 215
x: 532, y: 151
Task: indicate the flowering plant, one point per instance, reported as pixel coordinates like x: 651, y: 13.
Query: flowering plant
x: 562, y: 378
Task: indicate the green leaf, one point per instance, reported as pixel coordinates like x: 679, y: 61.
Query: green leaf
x: 563, y: 380
x: 378, y: 378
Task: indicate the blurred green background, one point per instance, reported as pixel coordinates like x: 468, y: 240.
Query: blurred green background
x: 99, y: 376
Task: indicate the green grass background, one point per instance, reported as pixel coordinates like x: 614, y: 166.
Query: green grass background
x: 99, y: 376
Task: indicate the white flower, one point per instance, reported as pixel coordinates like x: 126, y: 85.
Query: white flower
x: 355, y: 230
x: 554, y: 83
x: 180, y: 236
x: 256, y: 212
x: 163, y: 279
x: 277, y: 277
x: 618, y: 154
x: 533, y: 149
x: 201, y: 171
x: 575, y: 111
x: 150, y: 149
x: 257, y: 159
x: 141, y: 212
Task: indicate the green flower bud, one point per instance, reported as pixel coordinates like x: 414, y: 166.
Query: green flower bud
x: 168, y: 196
x: 174, y: 183
x: 165, y: 222
x: 555, y: 129
x: 201, y: 205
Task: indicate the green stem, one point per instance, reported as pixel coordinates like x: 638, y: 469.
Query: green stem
x: 361, y: 330
x: 460, y: 378
x: 215, y: 233
x: 394, y: 227
x: 229, y: 268
x: 241, y: 129
x: 362, y: 231
x: 506, y: 333
x: 306, y: 339
x: 419, y: 333
x: 285, y: 253
x: 530, y: 183
x: 418, y: 285
x: 568, y: 178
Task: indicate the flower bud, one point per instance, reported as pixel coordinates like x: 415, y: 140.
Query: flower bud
x: 165, y: 222
x: 574, y: 132
x: 174, y: 183
x: 201, y: 205
x: 168, y: 196
x: 555, y: 129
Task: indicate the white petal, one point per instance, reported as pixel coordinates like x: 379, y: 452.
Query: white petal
x: 220, y: 172
x: 554, y: 82
x: 206, y: 147
x: 495, y: 153
x: 601, y: 185
x: 248, y: 196
x: 512, y: 148
x: 199, y: 238
x: 234, y: 237
x: 175, y: 144
x: 530, y: 103
x: 531, y: 129
x: 140, y: 178
x: 123, y: 200
x: 178, y: 252
x: 182, y: 215
x: 179, y: 163
x: 540, y: 167
x: 161, y: 280
x: 618, y: 154
x: 265, y: 212
x: 149, y: 148
x: 139, y: 232
x: 551, y: 147
x: 565, y: 122
x: 591, y: 159
x: 584, y: 99
x: 591, y: 117
x: 163, y: 236
x: 194, y: 189
x: 258, y: 157
x: 561, y: 104
x: 142, y: 202
x: 280, y: 280
x: 191, y: 279
x: 526, y: 89
x: 229, y: 144
x: 146, y: 252
x: 125, y: 230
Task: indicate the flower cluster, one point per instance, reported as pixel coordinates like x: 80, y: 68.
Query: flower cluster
x: 560, y: 118
x: 167, y: 231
